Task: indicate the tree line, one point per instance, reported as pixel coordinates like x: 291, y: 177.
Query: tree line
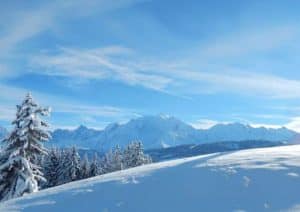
x: 65, y: 165
x: 26, y: 166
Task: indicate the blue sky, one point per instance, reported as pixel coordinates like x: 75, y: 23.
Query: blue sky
x: 205, y: 62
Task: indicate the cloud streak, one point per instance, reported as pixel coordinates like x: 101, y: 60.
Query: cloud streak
x: 119, y: 63
x: 59, y: 105
x: 206, y: 123
x: 245, y: 42
x: 260, y: 85
x: 183, y: 76
x: 103, y: 63
x: 23, y: 24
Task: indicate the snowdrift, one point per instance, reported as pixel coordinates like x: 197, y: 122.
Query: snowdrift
x: 265, y: 179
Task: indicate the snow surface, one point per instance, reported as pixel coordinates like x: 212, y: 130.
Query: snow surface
x: 249, y: 180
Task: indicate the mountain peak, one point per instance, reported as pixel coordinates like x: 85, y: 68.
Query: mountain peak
x: 164, y: 116
x: 112, y: 126
x: 81, y: 128
x: 154, y: 117
x: 163, y: 130
x: 232, y: 125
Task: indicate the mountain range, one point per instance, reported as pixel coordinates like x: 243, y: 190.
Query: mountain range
x: 164, y: 131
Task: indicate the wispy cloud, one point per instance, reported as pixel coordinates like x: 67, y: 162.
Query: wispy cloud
x: 112, y: 62
x: 60, y: 106
x: 193, y: 71
x: 206, y: 123
x: 270, y: 116
x: 294, y: 124
x: 268, y: 126
x: 22, y: 24
x: 182, y: 75
x: 247, y: 41
x: 244, y: 82
x: 26, y: 25
x: 119, y: 63
x: 88, y: 110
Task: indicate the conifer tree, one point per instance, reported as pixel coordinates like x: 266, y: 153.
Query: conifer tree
x: 73, y: 164
x: 69, y: 168
x: 75, y: 158
x: 51, y: 167
x: 95, y: 166
x: 117, y: 159
x: 134, y: 155
x: 85, y: 167
x: 106, y: 162
x: 19, y: 172
x: 63, y: 174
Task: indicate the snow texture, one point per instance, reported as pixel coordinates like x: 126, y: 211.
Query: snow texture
x: 248, y: 180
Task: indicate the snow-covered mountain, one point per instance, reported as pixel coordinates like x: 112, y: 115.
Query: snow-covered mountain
x: 81, y: 137
x: 240, y: 132
x: 249, y: 180
x: 161, y: 132
x: 164, y: 131
x: 153, y: 131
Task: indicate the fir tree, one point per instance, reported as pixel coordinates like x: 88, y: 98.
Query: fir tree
x: 51, y: 167
x: 72, y: 165
x: 63, y: 173
x: 85, y: 167
x: 106, y: 162
x: 69, y: 168
x: 95, y: 166
x: 19, y: 171
x: 134, y: 155
x: 75, y: 170
x: 117, y: 159
x: 113, y: 160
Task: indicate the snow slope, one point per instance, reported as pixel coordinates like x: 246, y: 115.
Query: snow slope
x: 250, y: 180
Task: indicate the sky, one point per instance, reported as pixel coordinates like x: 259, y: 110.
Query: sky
x: 204, y: 62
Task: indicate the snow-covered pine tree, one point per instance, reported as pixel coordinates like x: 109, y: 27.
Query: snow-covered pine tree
x: 141, y: 157
x: 19, y: 173
x: 69, y: 168
x: 134, y: 155
x: 117, y: 159
x: 106, y: 164
x: 95, y: 166
x: 128, y: 156
x: 63, y: 173
x: 85, y: 168
x: 73, y: 161
x: 112, y: 160
x: 51, y: 167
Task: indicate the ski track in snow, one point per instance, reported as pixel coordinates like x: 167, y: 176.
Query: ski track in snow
x: 250, y: 180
